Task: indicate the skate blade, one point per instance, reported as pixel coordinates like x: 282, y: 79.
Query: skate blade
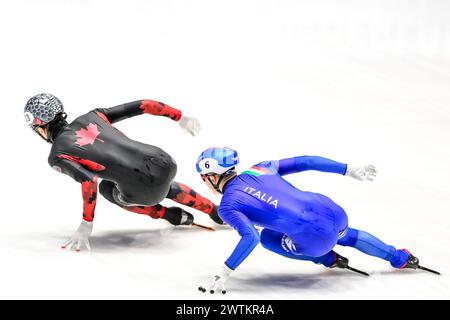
x: 358, y: 271
x: 429, y: 270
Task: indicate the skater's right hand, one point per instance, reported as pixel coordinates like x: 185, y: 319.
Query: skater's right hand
x: 80, y: 237
x: 362, y: 173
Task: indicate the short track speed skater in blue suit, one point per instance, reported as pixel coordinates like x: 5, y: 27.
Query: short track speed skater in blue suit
x: 297, y: 224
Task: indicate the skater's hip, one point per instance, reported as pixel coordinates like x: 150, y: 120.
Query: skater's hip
x: 325, y: 213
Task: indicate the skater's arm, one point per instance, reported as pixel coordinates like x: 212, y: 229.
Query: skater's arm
x: 249, y: 240
x: 249, y: 236
x: 86, y: 178
x: 131, y: 109
x: 303, y: 163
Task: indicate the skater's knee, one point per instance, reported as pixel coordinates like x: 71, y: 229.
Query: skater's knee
x: 270, y: 238
x: 348, y: 237
x: 314, y: 251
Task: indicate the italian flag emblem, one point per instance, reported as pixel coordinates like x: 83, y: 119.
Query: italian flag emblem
x: 256, y: 171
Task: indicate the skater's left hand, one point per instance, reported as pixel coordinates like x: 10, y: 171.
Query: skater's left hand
x: 190, y: 125
x: 362, y: 173
x: 218, y: 282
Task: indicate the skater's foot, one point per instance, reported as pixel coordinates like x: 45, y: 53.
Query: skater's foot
x: 404, y: 259
x: 411, y: 261
x: 339, y: 261
x: 178, y: 216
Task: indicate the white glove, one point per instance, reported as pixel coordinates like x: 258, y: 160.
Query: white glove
x: 218, y: 282
x: 80, y: 237
x: 362, y: 173
x: 190, y: 125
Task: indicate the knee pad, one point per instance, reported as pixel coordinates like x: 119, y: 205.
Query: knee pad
x: 106, y: 190
x: 288, y: 245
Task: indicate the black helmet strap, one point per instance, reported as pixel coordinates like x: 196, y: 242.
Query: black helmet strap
x: 56, y: 125
x: 224, y: 175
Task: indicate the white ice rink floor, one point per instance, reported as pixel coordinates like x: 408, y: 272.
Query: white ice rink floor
x: 272, y: 81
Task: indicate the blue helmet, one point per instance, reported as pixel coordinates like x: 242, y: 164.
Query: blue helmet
x: 217, y: 160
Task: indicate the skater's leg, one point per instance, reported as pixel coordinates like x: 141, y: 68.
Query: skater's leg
x: 369, y: 244
x: 156, y: 212
x: 174, y: 215
x: 281, y: 244
x: 186, y: 196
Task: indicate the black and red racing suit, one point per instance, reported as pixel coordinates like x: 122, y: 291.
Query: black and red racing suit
x: 143, y: 174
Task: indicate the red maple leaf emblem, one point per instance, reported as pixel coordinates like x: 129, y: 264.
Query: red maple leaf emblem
x: 88, y: 135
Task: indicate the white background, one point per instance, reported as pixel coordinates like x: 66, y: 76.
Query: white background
x: 356, y: 81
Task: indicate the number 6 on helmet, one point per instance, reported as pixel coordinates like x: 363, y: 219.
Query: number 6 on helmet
x: 216, y: 167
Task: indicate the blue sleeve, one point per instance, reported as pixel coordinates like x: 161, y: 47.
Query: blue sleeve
x: 303, y: 163
x: 249, y: 236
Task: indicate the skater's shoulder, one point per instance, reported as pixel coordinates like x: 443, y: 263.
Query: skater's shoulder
x: 86, y: 117
x: 54, y: 152
x: 63, y: 143
x: 271, y: 165
x: 59, y: 146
